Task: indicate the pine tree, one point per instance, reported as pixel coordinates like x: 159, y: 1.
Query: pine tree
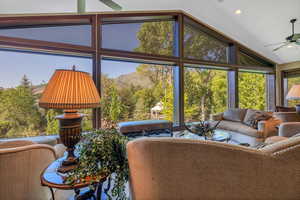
x: 25, y: 82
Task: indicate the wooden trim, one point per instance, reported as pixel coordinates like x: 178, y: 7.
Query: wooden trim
x: 38, y: 44
x: 181, y: 69
x: 45, y: 20
x: 137, y: 55
x: 97, y: 68
x: 229, y: 66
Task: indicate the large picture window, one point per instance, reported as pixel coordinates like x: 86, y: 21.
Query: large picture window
x: 146, y: 37
x: 250, y: 60
x: 69, y: 34
x: 205, y: 93
x: 135, y: 91
x: 199, y: 45
x: 252, y: 90
x: 147, y: 65
x: 23, y: 78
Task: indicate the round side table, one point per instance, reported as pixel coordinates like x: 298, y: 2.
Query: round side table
x: 52, y: 179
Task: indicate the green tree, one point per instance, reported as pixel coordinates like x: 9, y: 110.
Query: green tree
x: 156, y: 38
x: 111, y: 104
x: 252, y: 92
x: 52, y: 123
x: 25, y: 82
x: 18, y: 108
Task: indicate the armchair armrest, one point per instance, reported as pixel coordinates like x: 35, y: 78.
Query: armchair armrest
x: 288, y: 129
x: 217, y: 117
x: 268, y: 127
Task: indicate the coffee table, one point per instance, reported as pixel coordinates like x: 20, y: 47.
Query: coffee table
x: 220, y: 135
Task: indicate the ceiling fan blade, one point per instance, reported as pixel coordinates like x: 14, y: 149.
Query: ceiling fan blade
x: 287, y: 43
x: 278, y: 43
x: 113, y: 5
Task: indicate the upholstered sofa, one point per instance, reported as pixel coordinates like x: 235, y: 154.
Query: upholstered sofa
x: 234, y: 120
x: 172, y: 168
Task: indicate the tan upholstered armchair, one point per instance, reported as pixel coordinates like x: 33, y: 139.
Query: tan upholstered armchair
x: 21, y: 163
x: 169, y: 168
x: 289, y: 129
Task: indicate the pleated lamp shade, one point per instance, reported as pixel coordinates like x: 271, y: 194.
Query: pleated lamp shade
x: 294, y: 93
x: 70, y: 89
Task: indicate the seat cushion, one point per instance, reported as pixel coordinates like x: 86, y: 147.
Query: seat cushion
x: 235, y: 114
x: 238, y: 127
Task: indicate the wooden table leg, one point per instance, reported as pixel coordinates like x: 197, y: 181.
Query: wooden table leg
x: 52, y: 193
x: 99, y: 191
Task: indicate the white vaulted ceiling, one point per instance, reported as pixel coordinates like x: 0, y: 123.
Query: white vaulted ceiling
x: 261, y: 21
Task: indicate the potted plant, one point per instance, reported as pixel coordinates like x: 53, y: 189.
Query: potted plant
x: 103, y: 152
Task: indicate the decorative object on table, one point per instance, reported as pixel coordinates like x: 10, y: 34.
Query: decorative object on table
x: 294, y: 94
x: 202, y: 128
x: 70, y: 90
x: 102, y: 153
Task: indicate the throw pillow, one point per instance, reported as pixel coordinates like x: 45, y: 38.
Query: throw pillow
x: 254, y: 116
x: 235, y: 114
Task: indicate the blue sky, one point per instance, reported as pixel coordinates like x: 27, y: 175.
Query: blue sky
x: 40, y: 67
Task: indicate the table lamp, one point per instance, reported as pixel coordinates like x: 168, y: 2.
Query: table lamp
x: 70, y: 90
x: 294, y: 94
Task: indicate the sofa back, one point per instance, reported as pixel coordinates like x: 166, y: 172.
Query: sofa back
x: 235, y: 114
x: 171, y: 168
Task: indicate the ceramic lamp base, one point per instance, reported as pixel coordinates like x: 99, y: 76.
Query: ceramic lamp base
x: 70, y: 135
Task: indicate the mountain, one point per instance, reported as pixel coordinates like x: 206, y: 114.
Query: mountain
x: 135, y: 79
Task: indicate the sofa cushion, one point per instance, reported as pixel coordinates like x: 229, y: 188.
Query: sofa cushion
x: 238, y: 127
x: 235, y: 114
x: 252, y: 117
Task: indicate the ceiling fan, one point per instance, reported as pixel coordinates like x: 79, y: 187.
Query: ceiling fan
x: 292, y: 39
x: 110, y: 3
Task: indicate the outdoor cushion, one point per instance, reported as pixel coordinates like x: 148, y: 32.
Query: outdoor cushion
x: 235, y: 114
x: 144, y: 125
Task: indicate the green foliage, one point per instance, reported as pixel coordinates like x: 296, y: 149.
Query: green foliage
x: 102, y: 153
x: 201, y: 46
x: 252, y: 91
x: 19, y: 112
x: 87, y: 124
x: 205, y: 93
x: 156, y: 38
x: 52, y: 123
x: 25, y: 82
x: 112, y: 105
x: 134, y: 102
